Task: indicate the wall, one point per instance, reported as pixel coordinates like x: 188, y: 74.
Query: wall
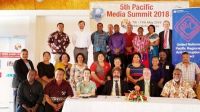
x: 37, y: 25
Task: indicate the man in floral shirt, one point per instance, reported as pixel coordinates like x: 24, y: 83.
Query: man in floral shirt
x: 58, y: 42
x: 177, y: 88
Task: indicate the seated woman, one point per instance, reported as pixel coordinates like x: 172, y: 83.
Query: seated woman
x: 117, y: 64
x: 64, y: 64
x: 86, y: 87
x: 134, y: 71
x: 76, y: 72
x: 99, y: 71
x: 157, y: 75
x: 45, y: 69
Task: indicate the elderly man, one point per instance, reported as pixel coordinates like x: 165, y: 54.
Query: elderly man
x: 56, y: 92
x: 30, y: 94
x: 191, y: 71
x: 116, y: 86
x: 178, y: 88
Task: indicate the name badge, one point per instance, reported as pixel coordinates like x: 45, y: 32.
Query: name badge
x: 167, y: 67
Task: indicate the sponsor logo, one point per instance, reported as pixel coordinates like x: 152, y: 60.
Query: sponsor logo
x: 187, y: 27
x: 97, y: 14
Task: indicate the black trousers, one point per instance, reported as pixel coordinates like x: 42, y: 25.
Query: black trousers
x: 49, y: 108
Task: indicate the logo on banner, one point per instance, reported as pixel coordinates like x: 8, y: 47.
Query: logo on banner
x: 187, y: 27
x: 10, y: 63
x: 97, y: 14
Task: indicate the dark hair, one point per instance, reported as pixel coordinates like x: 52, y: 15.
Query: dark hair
x: 116, y: 25
x: 60, y: 58
x: 100, y: 24
x: 81, y: 55
x: 137, y: 54
x: 60, y: 69
x: 163, y: 51
x: 185, y: 53
x: 24, y: 50
x: 100, y: 53
x: 87, y: 69
x: 140, y: 28
x: 46, y: 52
x: 154, y: 28
x: 60, y: 24
x: 155, y: 57
x: 81, y: 21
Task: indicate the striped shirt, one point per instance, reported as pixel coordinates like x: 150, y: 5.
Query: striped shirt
x: 189, y: 72
x: 136, y: 72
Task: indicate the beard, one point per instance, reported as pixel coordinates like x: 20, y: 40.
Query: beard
x: 176, y: 80
x: 116, y: 77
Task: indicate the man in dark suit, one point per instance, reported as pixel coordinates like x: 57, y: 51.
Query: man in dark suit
x: 21, y: 68
x: 166, y: 40
x: 116, y: 86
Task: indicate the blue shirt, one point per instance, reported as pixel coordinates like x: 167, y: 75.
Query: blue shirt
x: 99, y: 41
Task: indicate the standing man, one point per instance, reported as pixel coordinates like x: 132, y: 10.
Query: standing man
x: 190, y: 70
x: 110, y: 29
x: 166, y: 40
x: 58, y: 42
x: 21, y: 68
x: 110, y: 32
x: 129, y: 36
x: 117, y: 44
x: 100, y: 41
x: 166, y: 66
x: 30, y: 94
x: 81, y: 41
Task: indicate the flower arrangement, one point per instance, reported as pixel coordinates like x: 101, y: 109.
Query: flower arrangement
x: 136, y: 95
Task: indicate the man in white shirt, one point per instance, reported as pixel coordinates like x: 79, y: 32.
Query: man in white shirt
x: 81, y: 41
x: 190, y: 70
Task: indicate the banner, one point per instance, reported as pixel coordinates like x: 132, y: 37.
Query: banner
x: 10, y: 47
x: 186, y: 34
x: 139, y: 14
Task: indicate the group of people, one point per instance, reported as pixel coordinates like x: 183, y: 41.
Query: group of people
x: 121, y: 61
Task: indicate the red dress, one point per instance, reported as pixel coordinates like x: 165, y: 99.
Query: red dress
x: 100, y: 71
